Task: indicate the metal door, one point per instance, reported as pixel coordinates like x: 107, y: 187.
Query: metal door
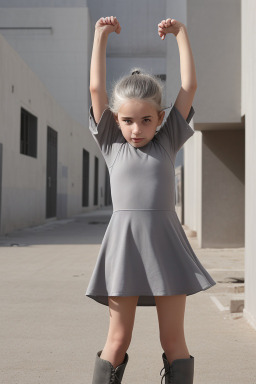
x: 85, y: 187
x: 96, y: 180
x: 51, y: 177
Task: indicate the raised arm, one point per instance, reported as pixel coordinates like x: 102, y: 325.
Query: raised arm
x: 187, y: 66
x: 103, y: 28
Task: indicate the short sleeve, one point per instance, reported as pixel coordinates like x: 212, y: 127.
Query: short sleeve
x: 176, y: 130
x: 106, y: 133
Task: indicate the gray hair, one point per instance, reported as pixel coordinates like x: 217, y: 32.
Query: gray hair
x: 136, y: 85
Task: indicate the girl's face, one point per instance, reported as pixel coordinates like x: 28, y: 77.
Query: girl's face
x: 138, y: 119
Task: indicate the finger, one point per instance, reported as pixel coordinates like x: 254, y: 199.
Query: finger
x: 168, y: 22
x: 112, y: 20
x: 164, y: 23
x: 162, y: 35
x: 161, y: 24
x: 118, y: 29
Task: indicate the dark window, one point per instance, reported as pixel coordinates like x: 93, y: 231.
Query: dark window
x: 28, y: 133
x: 85, y: 186
x: 162, y: 76
x: 96, y: 176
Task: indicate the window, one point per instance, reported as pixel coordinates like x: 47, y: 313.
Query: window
x: 28, y: 134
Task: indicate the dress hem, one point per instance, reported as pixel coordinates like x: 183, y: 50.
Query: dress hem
x: 99, y: 296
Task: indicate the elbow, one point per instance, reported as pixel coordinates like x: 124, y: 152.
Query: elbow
x: 190, y: 87
x: 95, y: 88
x: 193, y: 86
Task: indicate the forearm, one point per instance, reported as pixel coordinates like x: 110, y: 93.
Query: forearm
x: 187, y: 65
x: 98, y: 62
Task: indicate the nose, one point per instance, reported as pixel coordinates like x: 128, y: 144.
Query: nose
x: 136, y: 128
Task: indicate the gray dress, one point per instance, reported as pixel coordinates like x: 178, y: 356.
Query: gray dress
x: 145, y: 251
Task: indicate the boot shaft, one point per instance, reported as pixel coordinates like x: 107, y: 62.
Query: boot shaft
x: 181, y: 371
x: 105, y: 373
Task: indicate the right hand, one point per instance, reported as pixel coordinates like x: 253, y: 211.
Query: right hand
x: 108, y: 24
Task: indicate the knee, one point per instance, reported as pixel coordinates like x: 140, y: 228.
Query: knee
x: 172, y: 343
x: 119, y: 342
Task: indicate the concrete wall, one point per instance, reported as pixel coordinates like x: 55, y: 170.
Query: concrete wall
x: 248, y: 109
x: 23, y: 177
x: 54, y: 42
x: 215, y: 35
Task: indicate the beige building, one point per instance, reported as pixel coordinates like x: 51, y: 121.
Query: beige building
x: 50, y: 165
x: 219, y: 161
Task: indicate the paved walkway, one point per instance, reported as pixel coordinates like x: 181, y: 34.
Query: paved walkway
x: 50, y: 332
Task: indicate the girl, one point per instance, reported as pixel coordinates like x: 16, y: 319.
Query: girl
x: 145, y: 257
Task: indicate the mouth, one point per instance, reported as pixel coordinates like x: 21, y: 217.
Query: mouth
x: 137, y: 140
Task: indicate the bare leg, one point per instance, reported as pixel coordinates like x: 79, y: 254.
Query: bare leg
x: 170, y: 311
x: 122, y: 313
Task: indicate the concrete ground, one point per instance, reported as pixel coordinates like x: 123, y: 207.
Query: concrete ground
x: 50, y: 331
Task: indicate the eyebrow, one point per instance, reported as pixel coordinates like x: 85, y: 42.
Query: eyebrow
x: 144, y: 117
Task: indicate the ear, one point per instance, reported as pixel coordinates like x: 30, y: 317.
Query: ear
x: 116, y: 118
x: 161, y: 117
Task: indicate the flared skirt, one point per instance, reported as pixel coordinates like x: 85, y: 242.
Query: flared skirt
x: 146, y: 253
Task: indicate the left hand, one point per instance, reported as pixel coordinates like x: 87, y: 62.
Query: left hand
x: 169, y: 26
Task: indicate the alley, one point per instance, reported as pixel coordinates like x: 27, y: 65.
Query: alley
x: 50, y: 331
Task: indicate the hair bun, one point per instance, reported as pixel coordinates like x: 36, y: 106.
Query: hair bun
x: 137, y: 72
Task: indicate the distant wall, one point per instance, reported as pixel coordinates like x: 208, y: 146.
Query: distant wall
x: 54, y: 42
x: 42, y: 3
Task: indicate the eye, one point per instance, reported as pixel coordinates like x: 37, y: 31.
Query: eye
x: 147, y: 120
x: 127, y: 121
